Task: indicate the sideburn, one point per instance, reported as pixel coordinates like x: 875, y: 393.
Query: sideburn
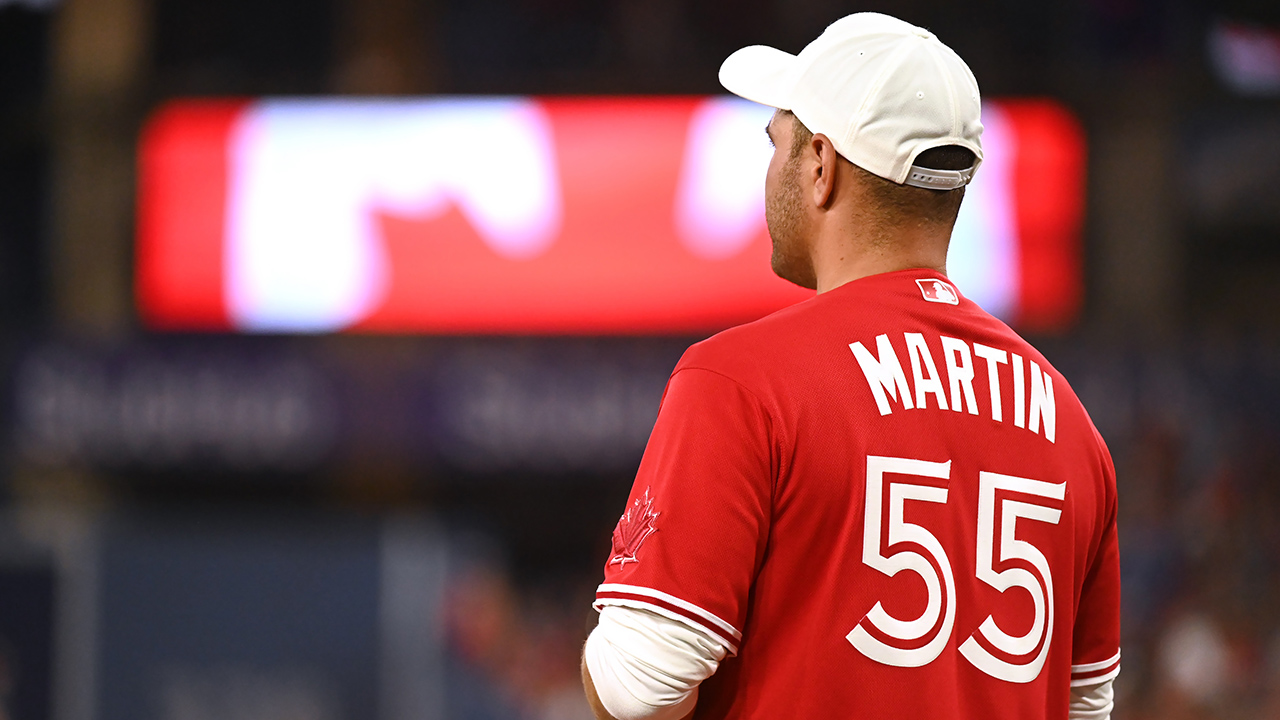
x: 784, y: 215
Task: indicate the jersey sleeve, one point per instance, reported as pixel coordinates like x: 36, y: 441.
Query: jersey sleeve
x: 1095, y: 654
x: 696, y: 522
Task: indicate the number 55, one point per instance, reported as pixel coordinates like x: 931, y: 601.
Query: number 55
x: 907, y: 651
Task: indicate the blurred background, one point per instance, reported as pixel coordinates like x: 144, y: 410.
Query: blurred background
x: 229, y: 497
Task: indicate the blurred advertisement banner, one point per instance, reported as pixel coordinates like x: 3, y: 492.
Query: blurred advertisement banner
x: 537, y: 215
x: 164, y: 408
x: 261, y: 408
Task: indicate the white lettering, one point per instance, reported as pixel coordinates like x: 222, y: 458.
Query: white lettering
x: 960, y: 371
x: 884, y: 375
x: 924, y: 371
x: 1042, y: 402
x: 1019, y: 392
x: 1034, y: 408
x: 994, y: 358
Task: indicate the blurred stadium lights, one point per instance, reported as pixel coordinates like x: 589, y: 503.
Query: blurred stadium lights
x: 1246, y: 57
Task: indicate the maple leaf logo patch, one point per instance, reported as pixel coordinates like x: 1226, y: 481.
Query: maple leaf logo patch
x: 634, y: 526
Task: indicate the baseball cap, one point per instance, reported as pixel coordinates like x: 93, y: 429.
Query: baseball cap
x: 883, y: 90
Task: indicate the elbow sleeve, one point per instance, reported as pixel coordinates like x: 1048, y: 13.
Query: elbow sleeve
x: 648, y: 667
x: 1091, y: 702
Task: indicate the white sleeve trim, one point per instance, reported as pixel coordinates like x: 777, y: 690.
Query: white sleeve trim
x: 1086, y: 667
x: 646, y: 666
x: 1091, y: 702
x: 1095, y: 672
x: 1081, y: 682
x: 659, y: 595
x: 656, y: 601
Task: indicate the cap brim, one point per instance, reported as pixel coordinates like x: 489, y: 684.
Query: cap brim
x: 761, y: 74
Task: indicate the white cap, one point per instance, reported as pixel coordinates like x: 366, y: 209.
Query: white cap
x: 881, y: 89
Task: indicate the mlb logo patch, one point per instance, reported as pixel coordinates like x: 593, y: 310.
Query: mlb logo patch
x: 939, y: 291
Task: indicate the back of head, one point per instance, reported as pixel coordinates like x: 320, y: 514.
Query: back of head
x: 898, y: 204
x: 894, y: 100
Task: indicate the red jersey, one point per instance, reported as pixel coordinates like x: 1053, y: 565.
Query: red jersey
x: 886, y: 504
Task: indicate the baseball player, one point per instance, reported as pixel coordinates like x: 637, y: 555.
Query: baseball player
x: 880, y: 502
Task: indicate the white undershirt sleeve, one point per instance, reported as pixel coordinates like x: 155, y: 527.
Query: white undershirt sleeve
x: 1091, y: 702
x: 646, y: 666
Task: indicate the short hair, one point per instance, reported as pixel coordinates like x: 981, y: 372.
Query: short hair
x: 800, y: 136
x: 905, y: 203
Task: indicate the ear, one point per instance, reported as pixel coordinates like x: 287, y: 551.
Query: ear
x: 823, y: 153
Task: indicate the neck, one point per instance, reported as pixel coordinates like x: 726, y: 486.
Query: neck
x: 844, y: 252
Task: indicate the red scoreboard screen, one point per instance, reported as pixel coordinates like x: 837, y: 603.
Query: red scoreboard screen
x: 641, y: 215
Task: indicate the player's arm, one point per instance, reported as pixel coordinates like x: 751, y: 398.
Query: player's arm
x: 686, y: 551
x: 1096, y: 638
x: 638, y: 665
x: 1091, y: 702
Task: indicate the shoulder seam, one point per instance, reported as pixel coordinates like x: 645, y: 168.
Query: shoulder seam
x: 768, y: 412
x: 730, y: 378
